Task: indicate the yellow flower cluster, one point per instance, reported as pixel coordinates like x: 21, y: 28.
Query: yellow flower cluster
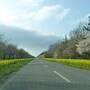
x: 80, y: 63
x: 11, y: 61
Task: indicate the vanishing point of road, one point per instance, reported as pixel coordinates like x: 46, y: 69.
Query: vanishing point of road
x: 43, y: 75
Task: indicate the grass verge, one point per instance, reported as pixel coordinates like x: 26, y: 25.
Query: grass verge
x: 78, y: 63
x: 7, y: 67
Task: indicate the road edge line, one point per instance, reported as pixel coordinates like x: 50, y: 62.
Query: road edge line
x: 64, y: 78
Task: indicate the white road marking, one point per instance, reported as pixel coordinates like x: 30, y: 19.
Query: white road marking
x: 64, y: 78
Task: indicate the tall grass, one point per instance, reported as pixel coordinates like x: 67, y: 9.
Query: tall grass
x: 82, y: 64
x: 7, y: 67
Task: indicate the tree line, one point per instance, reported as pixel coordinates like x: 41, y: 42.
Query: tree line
x: 11, y: 51
x: 75, y: 45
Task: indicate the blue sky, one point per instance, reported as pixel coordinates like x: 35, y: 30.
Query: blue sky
x: 35, y: 24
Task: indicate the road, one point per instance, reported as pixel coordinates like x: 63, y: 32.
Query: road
x: 44, y: 75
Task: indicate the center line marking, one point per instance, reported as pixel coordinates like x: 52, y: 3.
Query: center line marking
x: 64, y: 78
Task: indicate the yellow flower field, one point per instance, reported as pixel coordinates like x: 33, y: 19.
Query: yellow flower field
x: 11, y: 61
x: 79, y: 63
x: 7, y: 67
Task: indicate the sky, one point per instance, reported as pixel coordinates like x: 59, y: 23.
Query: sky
x: 36, y: 24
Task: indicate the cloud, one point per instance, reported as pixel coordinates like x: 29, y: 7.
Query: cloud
x: 51, y: 12
x: 32, y: 41
x: 29, y: 15
x: 43, y: 15
x: 55, y: 12
x: 30, y: 2
x: 33, y: 16
x: 5, y: 15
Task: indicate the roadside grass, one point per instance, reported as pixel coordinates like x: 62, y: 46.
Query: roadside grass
x: 78, y: 63
x: 7, y: 67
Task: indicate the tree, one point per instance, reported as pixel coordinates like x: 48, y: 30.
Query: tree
x: 10, y: 51
x: 87, y: 26
x: 67, y: 48
x: 83, y: 46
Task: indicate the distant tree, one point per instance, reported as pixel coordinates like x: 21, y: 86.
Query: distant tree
x: 10, y: 51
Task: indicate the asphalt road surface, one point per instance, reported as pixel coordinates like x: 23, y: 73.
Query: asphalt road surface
x: 44, y: 75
